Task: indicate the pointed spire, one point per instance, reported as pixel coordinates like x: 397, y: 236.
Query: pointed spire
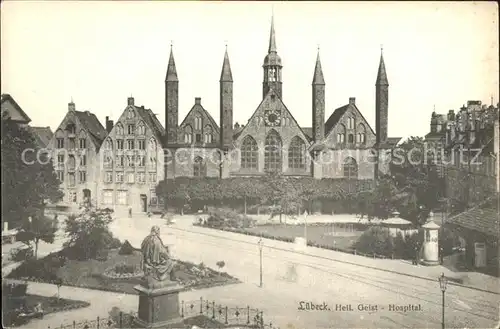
x: 318, y: 78
x: 272, y: 37
x: 226, y: 75
x: 171, y: 70
x: 382, y: 75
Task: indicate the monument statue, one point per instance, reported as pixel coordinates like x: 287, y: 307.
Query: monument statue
x: 156, y: 261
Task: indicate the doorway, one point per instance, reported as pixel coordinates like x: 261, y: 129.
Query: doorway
x: 144, y: 202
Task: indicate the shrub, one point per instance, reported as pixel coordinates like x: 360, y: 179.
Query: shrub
x: 124, y: 269
x: 404, y: 246
x: 224, y: 217
x: 14, y: 289
x: 126, y: 248
x: 21, y: 254
x: 375, y: 240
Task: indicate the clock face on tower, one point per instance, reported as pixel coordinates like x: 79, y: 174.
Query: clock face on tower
x: 272, y: 118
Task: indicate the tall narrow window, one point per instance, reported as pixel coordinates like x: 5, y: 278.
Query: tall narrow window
x: 199, y: 167
x: 272, y: 153
x: 249, y: 154
x: 119, y: 129
x: 83, y: 140
x: 197, y: 122
x: 141, y: 128
x: 130, y: 114
x: 188, y: 134
x: 208, y: 134
x: 297, y: 154
x: 108, y: 145
x: 350, y: 168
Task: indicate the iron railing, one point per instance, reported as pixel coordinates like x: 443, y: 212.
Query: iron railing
x: 244, y: 317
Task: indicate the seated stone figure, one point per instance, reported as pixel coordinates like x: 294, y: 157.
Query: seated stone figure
x: 157, y: 264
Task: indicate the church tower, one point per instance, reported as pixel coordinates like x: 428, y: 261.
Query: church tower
x: 171, y: 101
x: 272, y: 67
x: 381, y: 103
x: 226, y: 104
x: 318, y: 102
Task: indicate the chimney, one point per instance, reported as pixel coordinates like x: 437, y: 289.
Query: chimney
x: 352, y: 100
x: 197, y: 100
x: 71, y: 106
x: 109, y: 125
x: 130, y: 101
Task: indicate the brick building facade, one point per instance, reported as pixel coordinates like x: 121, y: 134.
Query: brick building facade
x: 272, y: 140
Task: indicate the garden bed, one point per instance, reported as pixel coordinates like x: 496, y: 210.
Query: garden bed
x: 48, y: 305
x: 91, y: 273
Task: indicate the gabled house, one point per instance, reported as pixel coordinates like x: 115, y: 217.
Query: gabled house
x: 74, y: 148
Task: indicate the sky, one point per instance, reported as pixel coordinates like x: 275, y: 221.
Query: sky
x: 437, y: 55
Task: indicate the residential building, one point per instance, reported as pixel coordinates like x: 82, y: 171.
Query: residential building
x: 131, y: 160
x: 13, y: 110
x: 75, y: 148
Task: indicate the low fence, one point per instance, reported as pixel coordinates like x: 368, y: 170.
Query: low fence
x: 226, y: 316
x: 229, y: 316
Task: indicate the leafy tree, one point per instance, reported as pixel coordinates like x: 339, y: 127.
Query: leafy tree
x: 89, y: 233
x: 27, y: 182
x: 220, y: 264
x: 40, y: 228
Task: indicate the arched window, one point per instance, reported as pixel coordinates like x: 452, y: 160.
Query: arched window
x: 351, y: 138
x: 199, y: 167
x: 188, y: 134
x: 350, y: 123
x: 119, y: 129
x: 249, y: 154
x: 141, y: 128
x: 350, y: 168
x: 82, y: 139
x: 197, y: 122
x: 130, y: 114
x: 272, y: 152
x: 361, y: 136
x: 108, y: 145
x: 341, y: 134
x: 208, y: 134
x: 152, y: 145
x: 296, y: 154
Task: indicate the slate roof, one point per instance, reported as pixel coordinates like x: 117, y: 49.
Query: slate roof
x: 7, y: 97
x: 483, y: 218
x: 152, y: 121
x: 334, y: 118
x: 42, y: 135
x: 393, y: 140
x: 93, y: 126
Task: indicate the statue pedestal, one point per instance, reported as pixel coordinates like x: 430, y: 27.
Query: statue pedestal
x: 159, y: 305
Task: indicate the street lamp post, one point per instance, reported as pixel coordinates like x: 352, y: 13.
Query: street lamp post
x: 442, y: 283
x: 261, y: 245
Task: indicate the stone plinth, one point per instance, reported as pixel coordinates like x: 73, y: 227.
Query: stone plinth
x: 158, y: 305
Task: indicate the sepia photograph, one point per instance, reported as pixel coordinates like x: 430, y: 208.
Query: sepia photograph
x: 265, y: 165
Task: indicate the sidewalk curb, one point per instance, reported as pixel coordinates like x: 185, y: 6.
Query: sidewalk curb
x: 340, y: 261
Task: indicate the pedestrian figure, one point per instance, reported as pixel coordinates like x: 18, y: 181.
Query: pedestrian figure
x: 415, y: 261
x: 130, y: 212
x: 55, y: 217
